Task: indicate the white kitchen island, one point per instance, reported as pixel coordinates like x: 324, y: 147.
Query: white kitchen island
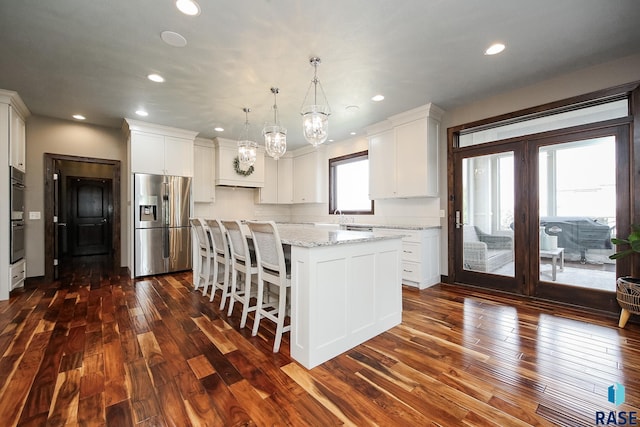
x: 346, y: 288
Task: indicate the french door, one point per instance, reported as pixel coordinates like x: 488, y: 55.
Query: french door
x: 535, y: 216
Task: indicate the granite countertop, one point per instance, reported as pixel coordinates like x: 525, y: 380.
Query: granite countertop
x: 311, y: 237
x: 360, y: 225
x: 395, y: 226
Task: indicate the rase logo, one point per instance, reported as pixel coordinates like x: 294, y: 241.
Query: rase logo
x: 615, y: 395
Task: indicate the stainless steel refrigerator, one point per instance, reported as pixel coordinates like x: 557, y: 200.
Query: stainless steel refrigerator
x: 162, y: 231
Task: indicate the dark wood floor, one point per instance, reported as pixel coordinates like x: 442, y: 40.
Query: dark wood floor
x: 97, y: 349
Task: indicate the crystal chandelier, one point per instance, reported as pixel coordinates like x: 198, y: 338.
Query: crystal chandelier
x: 275, y: 136
x: 246, y: 148
x: 315, y: 117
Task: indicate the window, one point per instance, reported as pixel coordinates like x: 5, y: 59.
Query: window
x: 349, y: 184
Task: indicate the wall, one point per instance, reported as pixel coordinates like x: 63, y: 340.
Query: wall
x: 602, y: 76
x: 239, y: 203
x: 48, y: 135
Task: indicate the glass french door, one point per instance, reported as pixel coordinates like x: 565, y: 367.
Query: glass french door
x: 536, y: 216
x: 485, y: 221
x: 583, y: 187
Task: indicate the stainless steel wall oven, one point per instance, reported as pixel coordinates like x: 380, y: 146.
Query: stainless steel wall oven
x: 17, y: 215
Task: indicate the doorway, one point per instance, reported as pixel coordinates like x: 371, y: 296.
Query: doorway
x: 82, y: 210
x: 534, y: 214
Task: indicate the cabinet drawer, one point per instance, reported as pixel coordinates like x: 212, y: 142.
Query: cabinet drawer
x: 17, y: 274
x: 411, y: 235
x: 411, y: 252
x: 411, y: 271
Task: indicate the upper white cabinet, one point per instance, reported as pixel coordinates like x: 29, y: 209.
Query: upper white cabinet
x: 17, y: 136
x: 226, y: 174
x: 403, y: 154
x: 160, y: 150
x: 278, y: 181
x: 310, y: 171
x: 204, y: 160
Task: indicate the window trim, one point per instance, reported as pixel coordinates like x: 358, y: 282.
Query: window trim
x: 336, y: 161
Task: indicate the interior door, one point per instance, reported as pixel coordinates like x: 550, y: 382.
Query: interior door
x: 486, y: 219
x: 582, y: 184
x: 89, y: 215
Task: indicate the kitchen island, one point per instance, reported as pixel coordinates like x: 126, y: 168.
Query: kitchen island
x: 346, y: 288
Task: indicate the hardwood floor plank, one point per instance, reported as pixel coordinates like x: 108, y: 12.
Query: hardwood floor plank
x: 64, y: 404
x: 100, y: 349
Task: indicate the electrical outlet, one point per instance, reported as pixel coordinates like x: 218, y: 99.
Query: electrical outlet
x: 441, y: 213
x: 34, y: 215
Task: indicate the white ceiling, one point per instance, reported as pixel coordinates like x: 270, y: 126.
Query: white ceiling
x: 92, y: 57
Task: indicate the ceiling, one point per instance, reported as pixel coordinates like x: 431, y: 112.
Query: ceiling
x: 92, y: 57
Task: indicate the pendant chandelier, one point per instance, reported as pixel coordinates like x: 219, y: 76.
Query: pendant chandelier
x: 315, y: 117
x: 275, y: 136
x: 247, y: 149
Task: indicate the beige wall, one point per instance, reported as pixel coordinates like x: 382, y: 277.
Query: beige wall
x: 47, y: 135
x: 602, y: 76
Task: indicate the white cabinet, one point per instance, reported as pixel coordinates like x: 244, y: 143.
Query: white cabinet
x: 161, y: 155
x: 17, y: 136
x: 382, y: 160
x: 420, y: 254
x: 226, y: 174
x: 310, y: 171
x: 13, y: 114
x: 403, y: 155
x: 17, y: 273
x: 160, y: 150
x: 278, y: 181
x: 204, y: 161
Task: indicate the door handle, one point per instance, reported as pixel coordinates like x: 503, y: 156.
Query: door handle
x: 62, y: 224
x: 104, y: 219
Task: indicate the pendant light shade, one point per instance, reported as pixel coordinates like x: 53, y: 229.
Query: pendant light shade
x: 275, y: 136
x: 315, y: 116
x: 247, y: 149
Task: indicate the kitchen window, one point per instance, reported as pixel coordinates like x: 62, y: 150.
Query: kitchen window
x: 349, y: 185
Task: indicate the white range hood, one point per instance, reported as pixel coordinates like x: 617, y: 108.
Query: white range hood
x: 226, y: 153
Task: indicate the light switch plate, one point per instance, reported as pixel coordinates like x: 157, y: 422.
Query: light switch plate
x: 34, y: 215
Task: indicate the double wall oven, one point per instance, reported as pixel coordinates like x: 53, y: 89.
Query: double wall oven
x: 17, y: 215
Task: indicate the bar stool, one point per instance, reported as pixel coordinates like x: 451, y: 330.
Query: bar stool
x: 243, y: 261
x: 202, y: 275
x: 221, y: 258
x: 273, y: 269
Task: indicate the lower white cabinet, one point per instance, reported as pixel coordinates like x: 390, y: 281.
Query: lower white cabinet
x: 17, y: 273
x: 420, y: 255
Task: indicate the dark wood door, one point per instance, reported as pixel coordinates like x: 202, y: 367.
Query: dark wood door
x: 89, y: 216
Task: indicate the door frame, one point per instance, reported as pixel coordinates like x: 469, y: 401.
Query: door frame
x: 630, y: 208
x: 49, y: 187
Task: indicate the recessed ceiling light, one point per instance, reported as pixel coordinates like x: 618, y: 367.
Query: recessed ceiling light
x: 219, y: 129
x: 79, y: 117
x: 352, y: 108
x: 353, y: 133
x: 142, y: 113
x: 188, y: 7
x: 494, y: 49
x: 330, y: 140
x: 377, y: 98
x: 156, y: 78
x: 173, y: 39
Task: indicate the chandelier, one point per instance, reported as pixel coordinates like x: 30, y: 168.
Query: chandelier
x: 315, y: 117
x: 246, y: 148
x: 275, y: 136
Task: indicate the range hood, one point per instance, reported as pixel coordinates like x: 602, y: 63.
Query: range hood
x: 226, y: 175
